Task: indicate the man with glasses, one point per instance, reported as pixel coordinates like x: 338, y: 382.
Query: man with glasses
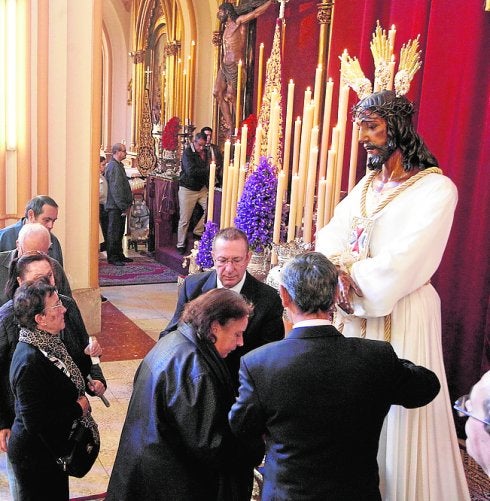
x: 33, y: 238
x: 119, y: 200
x: 318, y: 398
x: 231, y: 255
x: 476, y: 406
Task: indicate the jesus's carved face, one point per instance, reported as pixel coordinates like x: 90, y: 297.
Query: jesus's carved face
x: 222, y: 16
x: 373, y: 136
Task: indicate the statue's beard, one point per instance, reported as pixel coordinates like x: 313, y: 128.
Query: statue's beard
x: 375, y: 162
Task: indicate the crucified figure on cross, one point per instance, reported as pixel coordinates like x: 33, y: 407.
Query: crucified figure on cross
x: 234, y: 38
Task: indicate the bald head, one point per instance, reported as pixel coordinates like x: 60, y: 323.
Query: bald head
x: 33, y: 237
x: 478, y: 442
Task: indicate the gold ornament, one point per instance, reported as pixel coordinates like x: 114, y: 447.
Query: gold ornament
x: 382, y: 51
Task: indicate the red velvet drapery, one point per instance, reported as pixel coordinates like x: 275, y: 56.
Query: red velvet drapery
x: 451, y: 92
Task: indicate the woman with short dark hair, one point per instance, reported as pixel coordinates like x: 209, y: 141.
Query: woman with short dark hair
x: 31, y: 267
x: 176, y: 442
x: 49, y: 392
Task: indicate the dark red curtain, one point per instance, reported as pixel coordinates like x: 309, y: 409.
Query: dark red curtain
x: 452, y: 95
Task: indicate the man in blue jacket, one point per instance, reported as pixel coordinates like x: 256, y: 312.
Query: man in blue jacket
x: 41, y: 209
x: 319, y: 398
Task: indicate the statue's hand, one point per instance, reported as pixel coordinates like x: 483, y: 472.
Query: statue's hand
x: 345, y: 285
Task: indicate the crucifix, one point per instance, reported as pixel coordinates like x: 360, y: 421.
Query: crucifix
x: 148, y: 72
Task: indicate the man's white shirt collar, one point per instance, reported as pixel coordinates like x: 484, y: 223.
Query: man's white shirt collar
x: 312, y: 322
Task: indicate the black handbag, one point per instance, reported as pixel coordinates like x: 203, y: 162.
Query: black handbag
x: 82, y: 451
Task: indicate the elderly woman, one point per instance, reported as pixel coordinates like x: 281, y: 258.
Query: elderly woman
x: 31, y: 267
x: 176, y: 442
x: 49, y: 392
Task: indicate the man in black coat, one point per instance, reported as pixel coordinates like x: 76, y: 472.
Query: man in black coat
x: 193, y: 188
x: 319, y: 398
x: 231, y: 256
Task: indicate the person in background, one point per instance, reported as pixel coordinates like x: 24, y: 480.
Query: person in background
x: 214, y: 154
x: 119, y: 200
x: 41, y: 209
x: 476, y: 407
x: 231, y: 255
x: 319, y: 399
x: 33, y: 238
x: 176, y: 443
x: 103, y: 189
x: 49, y: 392
x: 193, y: 189
x: 29, y: 268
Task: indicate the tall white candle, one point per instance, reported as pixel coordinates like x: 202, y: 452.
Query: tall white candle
x: 212, y: 179
x: 238, y: 105
x: 297, y: 138
x: 326, y: 128
x: 260, y: 78
x: 241, y: 181
x: 320, y: 206
x: 304, y: 154
x: 293, y: 202
x: 310, y: 194
x: 317, y: 93
x: 229, y: 191
x: 234, y: 195
x: 275, y: 134
x: 243, y: 150
x: 281, y: 187
x: 288, y: 127
x: 330, y: 188
x: 281, y: 182
x: 224, y: 193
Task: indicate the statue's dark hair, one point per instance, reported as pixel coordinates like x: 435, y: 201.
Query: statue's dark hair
x: 397, y: 111
x: 229, y: 8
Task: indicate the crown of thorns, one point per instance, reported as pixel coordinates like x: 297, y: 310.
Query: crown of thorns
x: 382, y: 52
x: 399, y: 106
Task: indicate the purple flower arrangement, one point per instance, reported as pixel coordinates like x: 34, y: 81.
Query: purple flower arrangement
x: 255, y: 211
x: 204, y: 257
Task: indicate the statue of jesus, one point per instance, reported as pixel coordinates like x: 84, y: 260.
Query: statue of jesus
x: 234, y: 38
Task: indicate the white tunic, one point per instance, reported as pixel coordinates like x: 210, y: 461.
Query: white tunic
x: 419, y: 456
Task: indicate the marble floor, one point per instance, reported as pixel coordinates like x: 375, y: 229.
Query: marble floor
x: 150, y: 307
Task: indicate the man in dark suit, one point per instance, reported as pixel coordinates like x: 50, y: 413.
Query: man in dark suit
x: 231, y: 255
x: 320, y: 398
x: 40, y: 209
